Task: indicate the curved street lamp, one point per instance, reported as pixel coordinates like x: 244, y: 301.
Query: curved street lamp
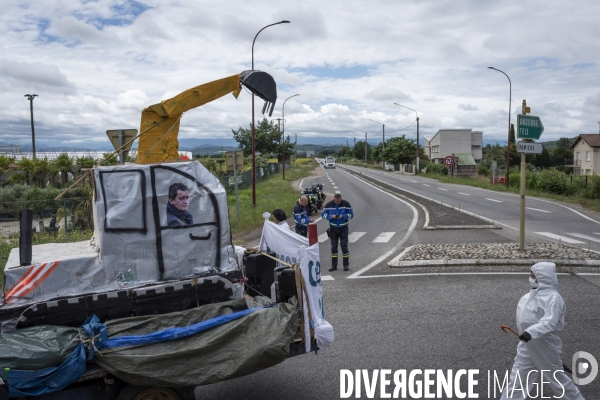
x: 30, y: 97
x: 417, y: 160
x: 509, y: 105
x: 253, y: 142
x: 283, y: 136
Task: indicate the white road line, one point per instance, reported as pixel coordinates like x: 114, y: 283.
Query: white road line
x: 464, y: 194
x: 300, y: 185
x: 335, y: 187
x: 426, y: 184
x: 414, y: 181
x: 455, y: 273
x: 327, y: 278
x: 354, y: 236
x: 497, y: 201
x: 537, y: 209
x: 596, y: 233
x: 443, y: 189
x: 323, y: 237
x: 394, y: 249
x: 561, y: 238
x: 383, y: 237
x: 337, y: 191
x: 586, y: 237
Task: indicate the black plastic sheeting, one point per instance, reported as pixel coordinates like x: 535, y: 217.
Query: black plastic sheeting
x: 246, y: 345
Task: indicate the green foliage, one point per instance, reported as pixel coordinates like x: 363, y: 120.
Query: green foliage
x: 267, y: 139
x: 438, y: 169
x: 359, y: 150
x: 483, y: 170
x: 399, y: 150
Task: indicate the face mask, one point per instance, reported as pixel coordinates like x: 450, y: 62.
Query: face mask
x: 533, y: 283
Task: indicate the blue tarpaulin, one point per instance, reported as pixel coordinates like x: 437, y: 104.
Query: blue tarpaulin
x: 53, y: 379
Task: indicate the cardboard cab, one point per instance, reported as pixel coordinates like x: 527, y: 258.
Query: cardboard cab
x: 146, y: 249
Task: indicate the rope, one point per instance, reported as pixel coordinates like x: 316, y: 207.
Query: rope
x: 89, y: 341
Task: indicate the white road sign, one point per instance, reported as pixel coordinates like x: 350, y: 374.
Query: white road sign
x: 529, y: 147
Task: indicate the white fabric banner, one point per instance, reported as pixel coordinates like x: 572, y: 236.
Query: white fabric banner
x: 293, y: 249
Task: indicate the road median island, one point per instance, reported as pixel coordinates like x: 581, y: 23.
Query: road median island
x: 441, y: 215
x: 497, y: 254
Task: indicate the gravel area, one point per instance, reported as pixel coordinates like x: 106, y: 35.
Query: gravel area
x: 505, y: 251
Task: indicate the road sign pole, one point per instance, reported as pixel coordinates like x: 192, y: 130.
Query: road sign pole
x: 237, y: 199
x: 522, y: 219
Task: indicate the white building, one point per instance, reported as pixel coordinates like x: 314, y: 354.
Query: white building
x: 587, y: 158
x: 451, y: 141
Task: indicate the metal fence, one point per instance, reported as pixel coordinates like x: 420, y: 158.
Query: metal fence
x: 48, y: 216
x: 245, y: 178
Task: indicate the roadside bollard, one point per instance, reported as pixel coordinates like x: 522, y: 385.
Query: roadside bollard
x: 313, y: 235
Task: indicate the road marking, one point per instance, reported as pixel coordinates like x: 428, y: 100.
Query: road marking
x: 394, y: 249
x: 596, y: 233
x: 537, y: 209
x: 426, y: 184
x: 455, y: 273
x: 323, y: 237
x: 579, y: 235
x: 561, y: 238
x: 327, y: 278
x: 337, y: 191
x: 383, y: 237
x: 443, y: 189
x: 414, y: 181
x: 464, y: 194
x: 354, y: 236
x: 335, y: 187
x: 497, y: 201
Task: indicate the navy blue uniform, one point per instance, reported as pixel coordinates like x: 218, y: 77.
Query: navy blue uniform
x: 302, y: 220
x: 338, y: 230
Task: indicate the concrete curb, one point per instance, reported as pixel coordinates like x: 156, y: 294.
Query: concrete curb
x: 438, y: 227
x: 396, y: 263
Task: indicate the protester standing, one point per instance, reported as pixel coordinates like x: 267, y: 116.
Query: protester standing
x: 338, y: 212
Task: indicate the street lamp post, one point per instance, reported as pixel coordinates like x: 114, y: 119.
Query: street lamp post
x: 509, y: 107
x: 365, y: 143
x: 417, y: 153
x: 30, y: 97
x: 283, y: 136
x: 253, y: 142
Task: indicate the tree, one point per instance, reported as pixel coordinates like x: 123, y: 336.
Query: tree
x: 359, y: 150
x: 64, y: 164
x: 399, y: 150
x: 512, y: 133
x: 267, y: 139
x: 378, y: 153
x: 344, y: 151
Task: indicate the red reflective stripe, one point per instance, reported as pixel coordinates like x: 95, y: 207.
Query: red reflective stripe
x: 41, y: 278
x: 25, y: 279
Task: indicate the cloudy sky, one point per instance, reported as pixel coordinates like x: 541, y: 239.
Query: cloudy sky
x: 96, y: 64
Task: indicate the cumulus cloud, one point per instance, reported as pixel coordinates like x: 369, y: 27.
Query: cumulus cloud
x: 468, y: 107
x: 34, y: 76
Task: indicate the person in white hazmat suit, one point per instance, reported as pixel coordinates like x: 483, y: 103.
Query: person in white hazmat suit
x: 540, y: 318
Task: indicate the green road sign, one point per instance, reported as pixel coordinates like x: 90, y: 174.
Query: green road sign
x: 529, y: 127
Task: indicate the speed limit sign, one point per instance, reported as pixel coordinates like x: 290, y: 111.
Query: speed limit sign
x: 449, y: 160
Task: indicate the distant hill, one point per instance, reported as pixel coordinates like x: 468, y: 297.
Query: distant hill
x: 551, y: 144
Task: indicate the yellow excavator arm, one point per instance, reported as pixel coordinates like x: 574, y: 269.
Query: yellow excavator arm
x: 159, y: 126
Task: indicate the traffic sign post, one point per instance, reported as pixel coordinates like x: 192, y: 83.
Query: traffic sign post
x: 449, y: 161
x: 119, y: 138
x: 529, y: 127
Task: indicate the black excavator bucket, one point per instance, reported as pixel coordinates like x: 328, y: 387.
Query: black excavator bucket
x: 263, y: 85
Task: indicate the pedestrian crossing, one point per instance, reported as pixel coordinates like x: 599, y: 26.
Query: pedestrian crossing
x: 353, y: 237
x: 566, y: 239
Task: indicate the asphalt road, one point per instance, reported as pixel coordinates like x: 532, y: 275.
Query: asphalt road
x: 424, y: 322
x: 384, y: 320
x: 546, y: 220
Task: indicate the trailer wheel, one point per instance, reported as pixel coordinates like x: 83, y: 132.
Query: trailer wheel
x: 132, y: 392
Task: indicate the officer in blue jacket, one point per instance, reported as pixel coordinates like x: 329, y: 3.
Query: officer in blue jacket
x: 338, y: 212
x: 301, y: 217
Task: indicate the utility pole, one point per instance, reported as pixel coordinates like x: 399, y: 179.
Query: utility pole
x: 279, y: 123
x: 30, y: 97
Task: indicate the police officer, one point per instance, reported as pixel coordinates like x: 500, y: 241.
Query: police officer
x: 338, y: 212
x: 301, y: 217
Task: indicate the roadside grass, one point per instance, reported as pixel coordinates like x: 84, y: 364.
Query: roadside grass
x: 484, y: 182
x: 270, y: 194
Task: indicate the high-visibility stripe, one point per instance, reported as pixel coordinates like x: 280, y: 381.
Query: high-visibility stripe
x: 34, y: 281
x: 25, y: 279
